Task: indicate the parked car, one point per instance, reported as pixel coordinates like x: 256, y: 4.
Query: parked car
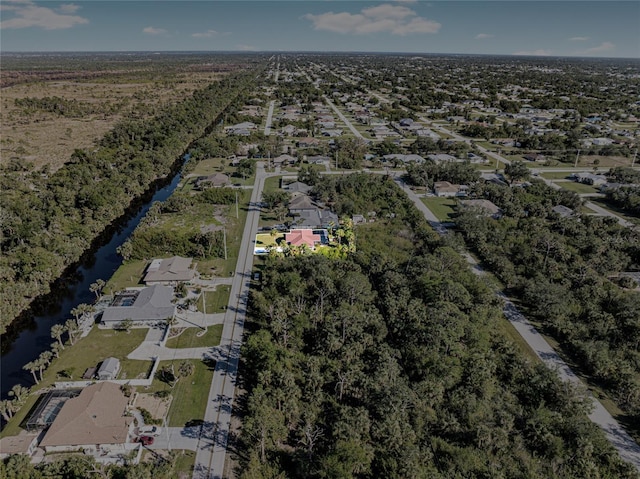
x: 146, y: 440
x: 149, y: 430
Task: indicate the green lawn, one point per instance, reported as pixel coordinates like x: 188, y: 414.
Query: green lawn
x: 88, y: 352
x: 577, y: 187
x: 215, y: 300
x: 189, y: 338
x: 266, y: 239
x: 189, y: 395
x: 443, y: 208
x: 129, y: 274
x: 554, y: 175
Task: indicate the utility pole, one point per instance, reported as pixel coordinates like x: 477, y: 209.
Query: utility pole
x: 336, y: 159
x: 577, y: 157
x: 224, y: 235
x: 635, y: 155
x: 237, y: 204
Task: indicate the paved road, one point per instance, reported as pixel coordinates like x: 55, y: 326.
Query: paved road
x: 625, y: 445
x: 212, y: 445
x: 267, y: 127
x: 344, y: 119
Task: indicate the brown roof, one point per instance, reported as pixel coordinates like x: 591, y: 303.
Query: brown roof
x: 170, y: 269
x: 17, y: 444
x: 96, y: 416
x: 445, y: 187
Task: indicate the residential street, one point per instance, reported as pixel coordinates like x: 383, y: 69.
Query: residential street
x: 628, y: 449
x: 344, y: 119
x: 214, y: 436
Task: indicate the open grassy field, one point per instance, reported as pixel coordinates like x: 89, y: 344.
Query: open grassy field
x: 189, y: 338
x: 577, y: 187
x: 128, y: 275
x: 189, y: 394
x: 443, y: 208
x: 44, y: 137
x: 215, y: 300
x: 87, y: 352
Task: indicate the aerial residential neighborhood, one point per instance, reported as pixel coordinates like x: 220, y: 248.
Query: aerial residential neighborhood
x: 320, y: 264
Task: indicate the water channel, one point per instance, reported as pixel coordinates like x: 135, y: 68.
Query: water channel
x: 34, y: 334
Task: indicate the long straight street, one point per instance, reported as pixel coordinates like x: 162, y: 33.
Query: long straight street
x: 214, y: 435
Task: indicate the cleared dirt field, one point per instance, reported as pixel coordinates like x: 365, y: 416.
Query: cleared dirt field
x: 87, y: 110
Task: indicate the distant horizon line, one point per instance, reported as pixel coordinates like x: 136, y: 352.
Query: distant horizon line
x: 327, y: 52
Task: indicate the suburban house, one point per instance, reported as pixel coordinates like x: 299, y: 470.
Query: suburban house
x: 153, y: 303
x: 590, y: 178
x: 306, y: 142
x: 303, y: 237
x: 242, y: 129
x: 284, y: 160
x: 169, y: 271
x: 302, y: 203
x: 217, y: 180
x: 562, y: 210
x: 109, y: 369
x: 315, y: 219
x: 97, y: 417
x: 488, y: 207
x: 440, y: 157
x: 404, y: 158
x: 445, y: 189
x: 298, y: 187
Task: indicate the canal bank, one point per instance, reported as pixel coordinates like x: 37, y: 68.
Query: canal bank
x: 30, y: 334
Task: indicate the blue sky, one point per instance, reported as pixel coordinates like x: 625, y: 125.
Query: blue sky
x: 556, y: 28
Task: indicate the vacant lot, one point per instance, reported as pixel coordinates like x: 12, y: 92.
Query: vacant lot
x: 79, y: 112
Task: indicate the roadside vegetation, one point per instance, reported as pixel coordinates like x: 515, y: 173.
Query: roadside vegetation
x: 391, y: 363
x: 568, y: 272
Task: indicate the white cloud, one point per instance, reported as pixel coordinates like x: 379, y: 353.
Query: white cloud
x: 154, y: 31
x: 69, y: 8
x: 394, y: 19
x: 602, y: 48
x: 207, y: 34
x: 245, y: 48
x: 482, y: 36
x: 27, y: 14
x: 578, y: 39
x: 540, y: 52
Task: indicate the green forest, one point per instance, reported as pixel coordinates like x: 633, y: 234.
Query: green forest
x: 565, y: 271
x: 393, y: 363
x: 50, y: 220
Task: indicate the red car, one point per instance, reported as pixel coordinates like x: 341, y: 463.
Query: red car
x: 146, y: 440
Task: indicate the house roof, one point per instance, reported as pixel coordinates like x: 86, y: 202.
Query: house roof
x: 302, y: 202
x: 216, y: 179
x: 484, y: 204
x: 151, y: 303
x: 109, y: 366
x: 302, y: 236
x: 298, y: 186
x: 17, y: 444
x: 445, y: 187
x: 96, y: 416
x: 562, y: 210
x: 169, y: 269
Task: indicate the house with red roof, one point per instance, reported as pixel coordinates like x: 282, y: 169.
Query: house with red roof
x: 299, y: 237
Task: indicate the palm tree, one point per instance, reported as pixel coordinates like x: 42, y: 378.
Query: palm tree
x: 55, y: 349
x: 7, y: 408
x: 186, y: 368
x: 72, y: 329
x: 97, y: 287
x: 20, y: 393
x: 41, y: 365
x: 57, y: 330
x: 32, y: 367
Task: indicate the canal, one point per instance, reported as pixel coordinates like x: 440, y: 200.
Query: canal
x: 24, y: 343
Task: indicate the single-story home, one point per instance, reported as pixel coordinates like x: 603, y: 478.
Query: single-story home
x: 487, y: 206
x: 562, y: 210
x: 306, y: 142
x: 445, y: 189
x: 153, y: 303
x: 301, y: 237
x: 95, y: 418
x: 297, y: 186
x: 169, y: 271
x: 217, y: 180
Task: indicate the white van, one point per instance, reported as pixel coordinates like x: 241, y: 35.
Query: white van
x: 149, y: 431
